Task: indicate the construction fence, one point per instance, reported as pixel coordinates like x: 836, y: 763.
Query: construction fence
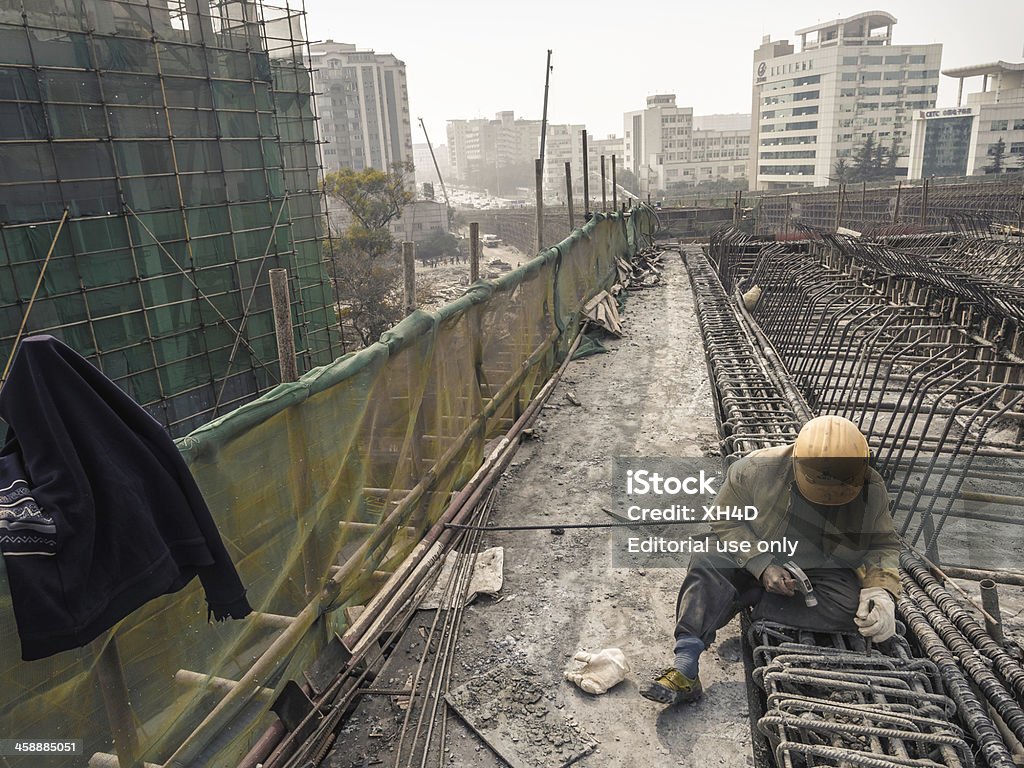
x: 320, y: 488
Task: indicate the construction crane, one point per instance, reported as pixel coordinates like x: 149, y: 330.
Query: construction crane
x: 444, y: 190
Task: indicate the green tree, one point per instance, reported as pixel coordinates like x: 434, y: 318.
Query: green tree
x: 368, y: 278
x: 438, y: 244
x: 894, y: 153
x: 997, y: 152
x: 373, y: 197
x: 367, y: 269
x: 879, y: 163
x: 841, y: 171
x: 864, y: 160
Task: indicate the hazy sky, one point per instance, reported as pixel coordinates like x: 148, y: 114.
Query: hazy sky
x: 471, y: 59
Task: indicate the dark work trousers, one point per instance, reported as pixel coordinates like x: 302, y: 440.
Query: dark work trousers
x: 715, y: 590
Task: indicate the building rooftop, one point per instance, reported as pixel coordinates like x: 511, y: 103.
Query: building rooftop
x: 992, y: 68
x: 860, y: 29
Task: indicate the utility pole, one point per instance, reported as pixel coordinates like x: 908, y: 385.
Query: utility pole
x: 539, y: 169
x: 615, y: 191
x: 568, y: 194
x: 604, y: 189
x: 586, y: 179
x: 544, y: 114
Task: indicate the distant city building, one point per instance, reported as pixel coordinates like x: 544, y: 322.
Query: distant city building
x: 419, y: 220
x: 363, y: 106
x: 814, y: 107
x: 610, y: 146
x: 479, y: 149
x: 563, y: 144
x: 425, y: 171
x: 666, y: 146
x: 964, y: 140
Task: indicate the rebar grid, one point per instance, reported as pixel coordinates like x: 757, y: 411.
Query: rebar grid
x: 918, y: 345
x: 921, y: 354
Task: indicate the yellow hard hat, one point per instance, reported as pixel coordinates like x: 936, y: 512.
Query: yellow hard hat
x: 830, y: 460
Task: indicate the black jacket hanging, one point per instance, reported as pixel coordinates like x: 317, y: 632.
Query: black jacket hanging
x: 98, y: 511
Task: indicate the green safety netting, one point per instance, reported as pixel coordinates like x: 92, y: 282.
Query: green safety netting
x: 345, y: 468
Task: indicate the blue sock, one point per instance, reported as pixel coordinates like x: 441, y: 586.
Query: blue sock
x: 688, y: 651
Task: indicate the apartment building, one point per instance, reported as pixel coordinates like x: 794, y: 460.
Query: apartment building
x: 478, y: 149
x: 362, y: 103
x: 563, y: 144
x: 666, y: 146
x: 815, y: 106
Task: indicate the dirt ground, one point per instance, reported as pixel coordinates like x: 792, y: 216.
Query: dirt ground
x: 648, y: 396
x: 436, y: 285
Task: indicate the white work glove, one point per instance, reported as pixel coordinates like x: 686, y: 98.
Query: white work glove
x: 878, y: 621
x: 600, y: 671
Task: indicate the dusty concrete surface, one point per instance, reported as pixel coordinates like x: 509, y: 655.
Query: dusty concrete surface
x: 649, y: 396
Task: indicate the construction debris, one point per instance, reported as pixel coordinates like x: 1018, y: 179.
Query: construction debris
x: 513, y: 713
x: 486, y: 578
x: 644, y: 271
x: 602, y: 310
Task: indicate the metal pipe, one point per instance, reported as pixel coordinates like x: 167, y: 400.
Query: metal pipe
x: 994, y: 620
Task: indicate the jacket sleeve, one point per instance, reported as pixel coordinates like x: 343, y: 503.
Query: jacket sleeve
x: 880, y: 566
x: 735, y: 492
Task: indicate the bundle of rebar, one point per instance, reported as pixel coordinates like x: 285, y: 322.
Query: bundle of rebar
x: 833, y: 701
x: 752, y: 411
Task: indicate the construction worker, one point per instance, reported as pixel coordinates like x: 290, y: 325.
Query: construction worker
x: 820, y: 493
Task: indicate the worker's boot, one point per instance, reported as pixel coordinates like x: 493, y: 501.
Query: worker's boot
x: 673, y: 687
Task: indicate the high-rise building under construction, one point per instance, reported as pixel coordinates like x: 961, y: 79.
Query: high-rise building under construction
x: 158, y: 158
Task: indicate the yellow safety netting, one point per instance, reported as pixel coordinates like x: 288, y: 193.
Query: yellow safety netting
x: 299, y: 482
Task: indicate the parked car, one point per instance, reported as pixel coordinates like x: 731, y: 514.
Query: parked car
x: 490, y: 241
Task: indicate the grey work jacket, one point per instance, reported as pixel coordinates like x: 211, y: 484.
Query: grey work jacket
x: 860, y: 532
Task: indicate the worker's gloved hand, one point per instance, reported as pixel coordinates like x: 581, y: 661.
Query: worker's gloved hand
x: 778, y: 580
x: 876, y: 614
x: 600, y: 671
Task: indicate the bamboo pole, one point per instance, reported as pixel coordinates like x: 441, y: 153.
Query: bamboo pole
x: 116, y: 699
x: 32, y: 300
x: 219, y: 685
x: 298, y: 482
x: 280, y: 299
